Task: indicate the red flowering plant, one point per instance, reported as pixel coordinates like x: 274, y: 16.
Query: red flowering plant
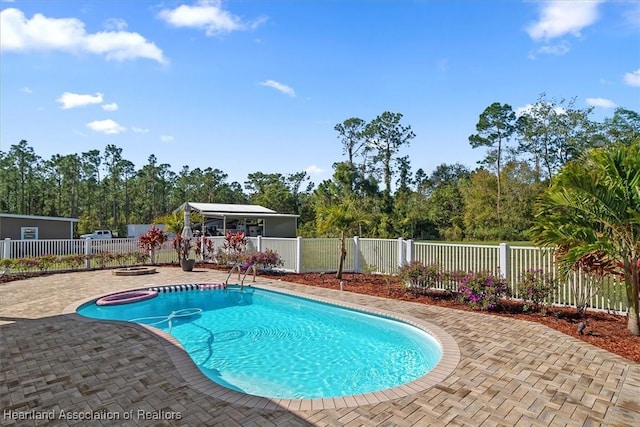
x: 233, y: 248
x: 204, y: 247
x: 182, y: 246
x: 151, y: 241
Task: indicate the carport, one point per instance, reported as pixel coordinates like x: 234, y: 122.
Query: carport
x: 253, y: 220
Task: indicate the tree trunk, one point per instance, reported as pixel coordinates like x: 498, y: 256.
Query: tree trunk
x: 632, y: 285
x: 343, y: 255
x: 499, y: 189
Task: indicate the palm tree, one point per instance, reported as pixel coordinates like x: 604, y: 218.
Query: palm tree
x: 592, y: 211
x: 342, y: 218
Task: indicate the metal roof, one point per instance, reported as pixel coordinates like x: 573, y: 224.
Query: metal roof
x: 220, y: 210
x: 48, y: 218
x: 217, y: 214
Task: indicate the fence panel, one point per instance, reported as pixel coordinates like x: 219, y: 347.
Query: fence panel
x: 378, y: 255
x: 38, y: 248
x: 323, y: 255
x: 580, y: 288
x: 458, y: 257
x: 286, y: 248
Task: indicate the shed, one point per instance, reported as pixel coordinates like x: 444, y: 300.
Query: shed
x: 253, y: 220
x: 33, y: 227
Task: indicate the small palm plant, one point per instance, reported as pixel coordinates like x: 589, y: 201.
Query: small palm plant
x: 592, y: 209
x: 343, y: 218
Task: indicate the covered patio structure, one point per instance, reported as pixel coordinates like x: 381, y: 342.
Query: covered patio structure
x: 253, y: 220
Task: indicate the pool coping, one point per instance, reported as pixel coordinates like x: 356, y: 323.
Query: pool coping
x: 192, y: 375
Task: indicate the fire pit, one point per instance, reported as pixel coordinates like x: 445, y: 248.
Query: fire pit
x: 134, y: 271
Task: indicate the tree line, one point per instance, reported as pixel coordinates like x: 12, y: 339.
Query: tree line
x: 373, y: 191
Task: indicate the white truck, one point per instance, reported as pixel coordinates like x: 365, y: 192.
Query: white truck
x: 98, y: 235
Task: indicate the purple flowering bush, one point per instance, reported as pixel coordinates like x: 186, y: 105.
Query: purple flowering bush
x: 482, y: 290
x: 265, y: 259
x: 418, y: 277
x: 536, y: 289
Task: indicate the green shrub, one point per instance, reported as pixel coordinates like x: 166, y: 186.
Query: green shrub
x: 536, y: 289
x: 418, y: 277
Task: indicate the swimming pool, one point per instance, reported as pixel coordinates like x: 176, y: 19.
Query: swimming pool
x: 269, y: 344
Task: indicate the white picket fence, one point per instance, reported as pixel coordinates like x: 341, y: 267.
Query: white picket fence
x: 383, y: 256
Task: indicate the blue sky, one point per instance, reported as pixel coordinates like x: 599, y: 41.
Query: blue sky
x: 247, y: 86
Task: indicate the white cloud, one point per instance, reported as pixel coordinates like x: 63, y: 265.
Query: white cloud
x: 27, y: 90
x: 314, y: 170
x: 115, y: 24
x: 632, y: 78
x: 279, y: 87
x: 73, y: 100
x: 139, y: 130
x: 601, y: 102
x: 531, y: 109
x: 108, y: 126
x: 559, y: 49
x: 632, y: 16
x: 520, y: 111
x: 209, y: 16
x: 19, y: 34
x: 166, y: 138
x: 110, y: 107
x: 561, y: 17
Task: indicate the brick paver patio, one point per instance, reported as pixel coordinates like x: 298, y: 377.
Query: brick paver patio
x: 57, y: 367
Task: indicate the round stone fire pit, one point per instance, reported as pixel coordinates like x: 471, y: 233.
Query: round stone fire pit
x: 134, y: 271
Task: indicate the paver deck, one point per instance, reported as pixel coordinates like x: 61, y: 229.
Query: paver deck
x: 56, y: 367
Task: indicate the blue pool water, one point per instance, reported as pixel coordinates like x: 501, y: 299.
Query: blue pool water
x: 270, y: 344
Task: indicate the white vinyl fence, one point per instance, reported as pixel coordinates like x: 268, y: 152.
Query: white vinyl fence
x: 383, y: 256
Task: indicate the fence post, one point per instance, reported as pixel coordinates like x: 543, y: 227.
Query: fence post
x: 356, y: 254
x: 259, y: 243
x: 401, y: 252
x: 409, y: 255
x: 298, y: 268
x: 503, y: 263
x: 87, y: 253
x: 6, y: 252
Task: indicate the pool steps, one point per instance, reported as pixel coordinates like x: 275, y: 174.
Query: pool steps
x: 189, y: 287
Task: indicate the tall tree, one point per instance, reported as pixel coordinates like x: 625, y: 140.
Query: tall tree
x: 623, y: 127
x: 25, y: 162
x: 128, y: 173
x: 495, y: 126
x: 444, y: 204
x: 592, y: 211
x: 386, y: 135
x: 552, y: 132
x: 90, y: 217
x: 352, y: 135
x: 113, y: 164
